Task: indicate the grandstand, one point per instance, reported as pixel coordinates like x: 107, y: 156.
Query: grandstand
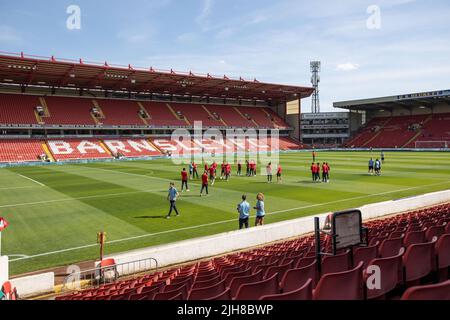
x: 73, y: 105
x: 75, y: 113
x: 416, y: 120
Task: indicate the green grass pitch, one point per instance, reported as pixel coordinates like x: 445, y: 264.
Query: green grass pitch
x: 55, y: 222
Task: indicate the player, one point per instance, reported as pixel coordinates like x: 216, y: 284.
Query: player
x: 314, y: 156
x: 269, y: 172
x: 377, y: 167
x: 222, y: 171
x: 279, y: 171
x: 260, y: 212
x: 227, y: 171
x: 313, y: 171
x: 191, y: 170
x: 324, y: 172
x: 184, y: 180
x: 318, y: 172
x: 371, y: 164
x: 327, y: 176
x: 382, y: 156
x: 239, y: 168
x: 244, y: 212
x: 172, y: 197
x: 194, y: 170
x: 212, y: 175
x: 204, y: 183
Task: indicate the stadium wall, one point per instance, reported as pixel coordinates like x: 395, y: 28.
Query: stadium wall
x: 34, y: 285
x: 4, y: 270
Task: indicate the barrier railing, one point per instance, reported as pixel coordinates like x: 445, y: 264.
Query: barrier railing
x: 95, y: 277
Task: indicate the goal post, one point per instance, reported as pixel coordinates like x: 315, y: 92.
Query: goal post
x: 442, y: 144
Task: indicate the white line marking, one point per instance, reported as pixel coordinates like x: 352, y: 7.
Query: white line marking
x: 15, y: 188
x: 222, y: 222
x: 79, y: 198
x: 41, y: 184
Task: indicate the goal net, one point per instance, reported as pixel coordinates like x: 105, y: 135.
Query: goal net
x: 443, y: 144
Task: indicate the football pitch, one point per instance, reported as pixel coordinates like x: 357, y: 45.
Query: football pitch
x: 55, y: 212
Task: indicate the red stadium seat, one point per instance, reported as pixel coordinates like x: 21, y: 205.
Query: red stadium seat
x: 418, y: 261
x: 224, y: 296
x: 434, y: 231
x: 442, y: 249
x: 302, y: 293
x: 236, y: 283
x: 390, y: 247
x: 180, y: 293
x: 390, y: 276
x: 414, y: 237
x: 365, y: 254
x: 337, y: 263
x: 281, y: 270
x: 346, y: 285
x: 255, y: 290
x: 440, y: 291
x: 295, y: 278
x: 207, y: 292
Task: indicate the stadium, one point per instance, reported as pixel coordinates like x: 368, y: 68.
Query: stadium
x: 282, y: 204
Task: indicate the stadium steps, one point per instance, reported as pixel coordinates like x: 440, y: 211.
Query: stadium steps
x: 244, y: 117
x: 48, y: 152
x: 410, y: 141
x: 142, y: 108
x: 176, y: 115
x: 212, y: 116
x: 43, y: 104
x: 275, y: 125
x: 45, y: 107
x: 378, y: 133
x: 100, y: 111
x: 103, y: 145
x: 419, y: 133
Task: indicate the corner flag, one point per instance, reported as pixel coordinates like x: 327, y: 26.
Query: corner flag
x: 3, y: 224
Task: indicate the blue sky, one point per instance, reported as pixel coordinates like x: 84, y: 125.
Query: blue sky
x: 273, y: 41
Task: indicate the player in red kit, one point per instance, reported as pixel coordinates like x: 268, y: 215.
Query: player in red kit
x: 212, y: 175
x: 227, y: 171
x: 184, y: 180
x: 279, y: 171
x: 204, y: 183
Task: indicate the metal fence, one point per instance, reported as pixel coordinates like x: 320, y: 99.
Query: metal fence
x: 77, y: 280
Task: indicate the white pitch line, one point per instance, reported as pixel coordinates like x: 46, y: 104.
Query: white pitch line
x: 79, y: 198
x: 15, y: 188
x: 41, y: 184
x: 221, y: 222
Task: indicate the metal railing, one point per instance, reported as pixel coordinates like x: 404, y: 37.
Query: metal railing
x: 77, y: 280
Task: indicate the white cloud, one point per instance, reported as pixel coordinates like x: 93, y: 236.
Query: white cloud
x: 9, y: 35
x: 347, y: 66
x: 203, y: 18
x: 186, y: 38
x: 143, y: 35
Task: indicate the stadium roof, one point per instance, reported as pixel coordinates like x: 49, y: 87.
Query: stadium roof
x: 411, y: 100
x: 53, y: 72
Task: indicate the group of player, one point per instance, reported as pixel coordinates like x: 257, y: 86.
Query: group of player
x: 316, y: 169
x: 375, y: 166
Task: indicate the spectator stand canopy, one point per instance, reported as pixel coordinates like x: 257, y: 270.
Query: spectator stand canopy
x: 423, y: 100
x: 29, y: 70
